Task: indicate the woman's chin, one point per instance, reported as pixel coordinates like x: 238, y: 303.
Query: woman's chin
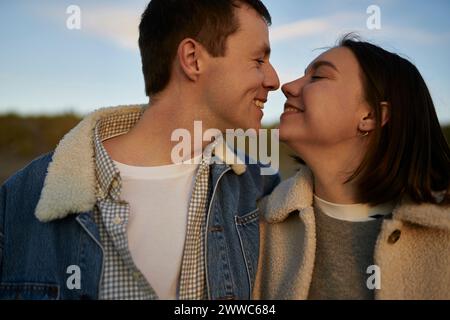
x: 287, y: 132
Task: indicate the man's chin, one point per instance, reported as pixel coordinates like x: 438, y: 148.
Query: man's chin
x: 254, y: 127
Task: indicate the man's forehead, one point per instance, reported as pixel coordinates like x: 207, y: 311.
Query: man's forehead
x: 249, y: 19
x: 252, y: 27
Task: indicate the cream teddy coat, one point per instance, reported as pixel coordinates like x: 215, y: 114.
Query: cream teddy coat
x: 412, y: 249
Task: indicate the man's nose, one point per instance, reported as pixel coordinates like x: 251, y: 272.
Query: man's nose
x: 271, y: 80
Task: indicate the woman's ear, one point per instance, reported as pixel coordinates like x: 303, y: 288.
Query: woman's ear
x: 189, y: 58
x: 368, y: 121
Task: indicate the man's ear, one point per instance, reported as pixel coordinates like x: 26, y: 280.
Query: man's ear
x: 189, y: 53
x: 368, y: 121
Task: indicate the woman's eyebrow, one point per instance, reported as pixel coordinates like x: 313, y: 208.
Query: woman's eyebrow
x: 320, y: 63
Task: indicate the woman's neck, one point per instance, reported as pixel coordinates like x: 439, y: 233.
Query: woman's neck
x: 331, y: 169
x: 330, y: 185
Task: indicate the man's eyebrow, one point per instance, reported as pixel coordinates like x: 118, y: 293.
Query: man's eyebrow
x: 265, y: 49
x: 316, y: 65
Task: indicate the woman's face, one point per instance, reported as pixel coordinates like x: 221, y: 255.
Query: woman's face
x: 325, y: 107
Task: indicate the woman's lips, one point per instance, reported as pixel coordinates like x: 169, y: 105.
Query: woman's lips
x: 289, y: 108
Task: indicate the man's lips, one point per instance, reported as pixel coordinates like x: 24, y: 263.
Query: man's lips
x: 260, y: 103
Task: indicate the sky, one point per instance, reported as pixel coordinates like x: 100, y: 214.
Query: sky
x: 47, y: 67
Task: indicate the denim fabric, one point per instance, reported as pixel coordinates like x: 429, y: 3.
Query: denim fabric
x: 36, y: 257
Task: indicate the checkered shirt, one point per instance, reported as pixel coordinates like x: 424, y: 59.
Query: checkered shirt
x: 121, y: 278
x: 192, y: 279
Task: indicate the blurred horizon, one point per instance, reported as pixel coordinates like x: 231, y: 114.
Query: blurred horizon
x: 18, y: 141
x: 49, y: 69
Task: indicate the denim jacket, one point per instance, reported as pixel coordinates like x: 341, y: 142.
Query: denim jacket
x: 49, y: 241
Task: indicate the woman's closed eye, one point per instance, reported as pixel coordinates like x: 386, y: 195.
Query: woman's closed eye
x: 317, y: 77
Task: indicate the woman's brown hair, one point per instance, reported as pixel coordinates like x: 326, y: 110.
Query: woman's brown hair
x: 409, y: 155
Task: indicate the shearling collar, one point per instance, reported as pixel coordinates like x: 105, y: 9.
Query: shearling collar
x: 296, y: 193
x: 70, y: 184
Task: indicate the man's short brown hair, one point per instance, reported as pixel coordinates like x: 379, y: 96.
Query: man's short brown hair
x: 165, y: 23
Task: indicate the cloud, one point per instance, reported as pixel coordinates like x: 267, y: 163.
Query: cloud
x: 415, y: 35
x: 299, y: 29
x: 117, y: 24
x: 319, y: 26
x: 331, y: 26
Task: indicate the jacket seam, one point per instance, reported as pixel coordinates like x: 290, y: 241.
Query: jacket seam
x: 248, y: 217
x: 103, y: 255
x: 2, y: 226
x: 206, y: 232
x: 245, y: 257
x: 35, y: 286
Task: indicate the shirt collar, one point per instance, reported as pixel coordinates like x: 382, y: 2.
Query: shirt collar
x: 108, y: 176
x: 359, y: 212
x: 109, y: 181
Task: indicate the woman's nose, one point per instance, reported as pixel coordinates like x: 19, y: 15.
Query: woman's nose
x: 292, y: 88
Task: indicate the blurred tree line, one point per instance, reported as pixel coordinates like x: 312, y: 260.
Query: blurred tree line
x: 23, y: 138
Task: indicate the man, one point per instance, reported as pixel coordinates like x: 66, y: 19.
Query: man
x: 108, y: 215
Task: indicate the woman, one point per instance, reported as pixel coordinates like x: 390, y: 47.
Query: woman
x: 367, y: 216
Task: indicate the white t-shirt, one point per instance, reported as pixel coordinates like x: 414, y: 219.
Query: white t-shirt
x: 359, y: 212
x: 159, y: 201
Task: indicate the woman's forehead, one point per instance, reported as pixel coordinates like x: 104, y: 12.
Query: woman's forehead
x: 340, y: 58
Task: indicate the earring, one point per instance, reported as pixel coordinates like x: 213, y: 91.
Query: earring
x: 365, y: 134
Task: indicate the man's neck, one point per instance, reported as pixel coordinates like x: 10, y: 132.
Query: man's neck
x: 149, y: 142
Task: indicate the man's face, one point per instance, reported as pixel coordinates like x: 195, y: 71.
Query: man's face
x: 237, y: 85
